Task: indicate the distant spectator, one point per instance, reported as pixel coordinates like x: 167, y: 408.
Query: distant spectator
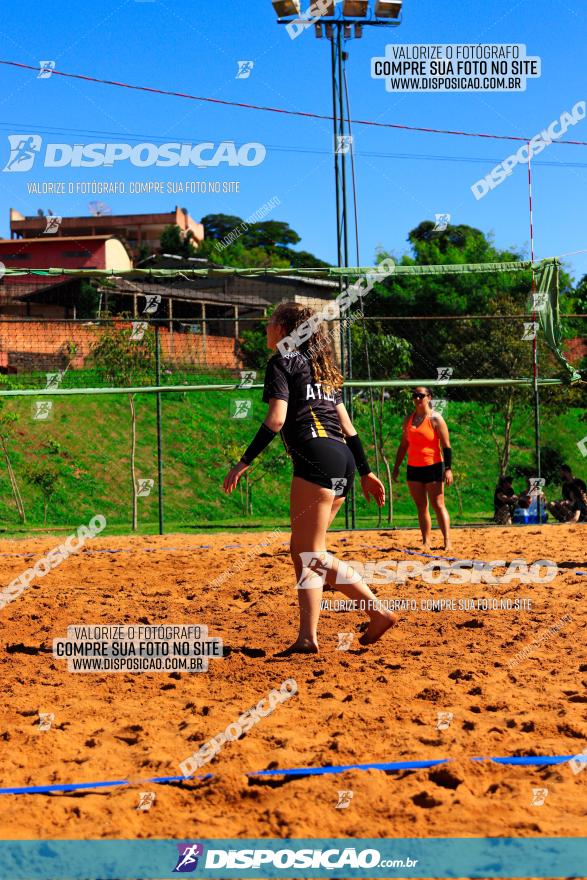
x: 504, y: 501
x: 563, y: 510
x: 578, y: 502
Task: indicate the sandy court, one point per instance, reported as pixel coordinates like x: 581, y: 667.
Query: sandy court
x: 352, y: 706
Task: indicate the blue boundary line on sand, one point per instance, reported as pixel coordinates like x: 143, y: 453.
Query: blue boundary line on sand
x: 241, y: 546
x: 143, y: 549
x: 525, y: 760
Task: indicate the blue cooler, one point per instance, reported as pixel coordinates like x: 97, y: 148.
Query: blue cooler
x: 529, y: 517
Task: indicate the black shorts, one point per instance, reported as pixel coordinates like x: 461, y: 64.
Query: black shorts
x: 432, y: 473
x: 325, y: 462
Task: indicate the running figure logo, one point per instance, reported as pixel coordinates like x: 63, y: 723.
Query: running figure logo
x: 530, y: 330
x: 344, y: 800
x: 42, y: 410
x: 247, y: 378
x: 46, y: 69
x: 439, y: 405
x: 146, y: 801
x: 23, y: 151
x: 344, y: 641
x: 444, y: 374
x: 240, y: 409
x: 317, y: 568
x: 245, y: 68
x: 144, y: 488
x: 535, y: 487
x: 582, y: 444
x: 538, y: 797
x: 46, y: 719
x: 153, y: 301
x: 53, y: 380
x: 442, y: 221
x: 343, y: 143
x: 187, y: 861
x: 444, y: 720
x: 578, y: 762
x: 53, y: 224
x: 338, y: 485
x: 539, y: 301
x: 138, y: 330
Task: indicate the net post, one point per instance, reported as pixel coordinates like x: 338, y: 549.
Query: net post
x: 159, y: 430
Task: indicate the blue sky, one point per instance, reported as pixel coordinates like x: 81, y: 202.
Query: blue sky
x: 195, y: 46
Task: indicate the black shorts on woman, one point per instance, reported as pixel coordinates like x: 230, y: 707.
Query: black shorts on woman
x: 430, y: 473
x: 311, y: 434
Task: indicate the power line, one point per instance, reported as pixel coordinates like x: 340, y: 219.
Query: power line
x: 304, y: 114
x: 35, y: 128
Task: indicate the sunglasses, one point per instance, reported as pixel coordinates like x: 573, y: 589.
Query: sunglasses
x: 419, y: 396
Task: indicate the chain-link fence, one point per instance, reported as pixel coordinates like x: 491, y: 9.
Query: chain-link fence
x: 75, y: 441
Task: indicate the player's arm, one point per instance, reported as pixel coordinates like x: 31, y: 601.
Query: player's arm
x: 273, y: 423
x: 442, y: 431
x: 401, y: 449
x: 370, y: 484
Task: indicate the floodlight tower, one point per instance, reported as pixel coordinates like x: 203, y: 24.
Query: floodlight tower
x: 339, y: 21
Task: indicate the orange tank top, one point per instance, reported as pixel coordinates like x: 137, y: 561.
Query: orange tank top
x: 424, y: 444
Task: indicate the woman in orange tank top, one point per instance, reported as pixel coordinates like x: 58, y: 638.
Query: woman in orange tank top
x: 425, y: 439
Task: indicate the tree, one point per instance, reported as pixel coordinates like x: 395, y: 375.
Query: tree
x: 301, y: 259
x: 173, y: 242
x: 256, y: 245
x: 88, y: 301
x: 236, y: 254
x: 45, y: 476
x: 252, y: 344
x: 389, y: 358
x: 270, y: 234
x: 254, y: 474
x: 496, y: 349
x: 127, y: 362
x: 218, y: 226
x: 8, y: 422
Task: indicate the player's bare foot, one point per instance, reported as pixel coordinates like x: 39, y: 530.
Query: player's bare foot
x: 300, y: 646
x: 447, y: 545
x: 378, y: 625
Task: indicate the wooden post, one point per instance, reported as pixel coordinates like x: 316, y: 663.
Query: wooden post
x: 204, y: 347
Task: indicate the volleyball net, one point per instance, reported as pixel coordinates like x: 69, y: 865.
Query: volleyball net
x: 141, y: 390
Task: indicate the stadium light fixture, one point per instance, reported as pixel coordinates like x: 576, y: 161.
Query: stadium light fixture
x: 286, y: 7
x: 329, y: 30
x: 358, y: 31
x: 388, y: 8
x: 355, y: 8
x: 347, y: 31
x: 318, y: 30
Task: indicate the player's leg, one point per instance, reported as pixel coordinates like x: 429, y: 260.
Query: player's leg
x: 420, y: 497
x: 310, y: 512
x: 435, y: 493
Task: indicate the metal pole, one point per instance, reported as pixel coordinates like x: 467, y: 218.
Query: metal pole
x: 534, y: 347
x: 336, y: 165
x: 350, y: 506
x: 337, y: 189
x: 159, y: 431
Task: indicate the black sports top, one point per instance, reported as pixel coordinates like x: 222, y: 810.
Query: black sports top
x: 311, y: 410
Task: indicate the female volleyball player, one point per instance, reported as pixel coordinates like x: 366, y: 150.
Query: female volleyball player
x: 425, y: 439
x: 305, y: 405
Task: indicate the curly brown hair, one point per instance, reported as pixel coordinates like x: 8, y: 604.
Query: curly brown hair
x: 317, y: 350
